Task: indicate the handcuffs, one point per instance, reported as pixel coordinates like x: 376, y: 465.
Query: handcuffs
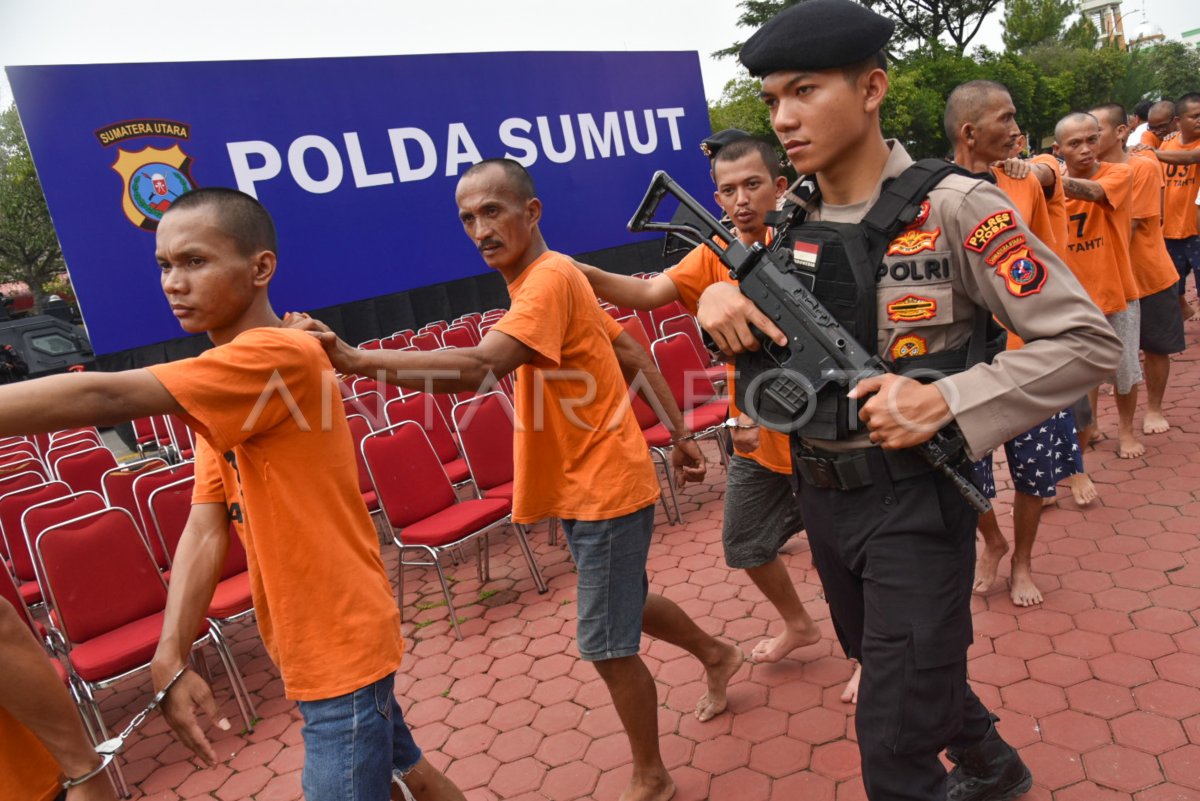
x: 109, y: 749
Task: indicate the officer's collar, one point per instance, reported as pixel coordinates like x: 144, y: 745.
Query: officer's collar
x: 807, y: 195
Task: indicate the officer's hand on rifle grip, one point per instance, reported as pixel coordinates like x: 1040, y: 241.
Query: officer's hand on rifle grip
x: 727, y: 315
x: 901, y: 412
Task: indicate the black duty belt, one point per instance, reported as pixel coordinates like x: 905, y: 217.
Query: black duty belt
x: 851, y: 470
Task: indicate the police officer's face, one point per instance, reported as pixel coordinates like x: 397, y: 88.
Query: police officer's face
x: 995, y: 133
x: 746, y: 192
x: 819, y: 116
x: 209, y: 282
x: 1078, y: 146
x: 498, y: 221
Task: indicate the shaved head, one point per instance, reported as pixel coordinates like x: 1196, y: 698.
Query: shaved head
x: 1161, y: 112
x: 967, y: 103
x: 516, y: 178
x: 1071, y: 122
x: 1115, y: 113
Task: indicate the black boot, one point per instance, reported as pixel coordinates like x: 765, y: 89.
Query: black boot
x: 989, y: 771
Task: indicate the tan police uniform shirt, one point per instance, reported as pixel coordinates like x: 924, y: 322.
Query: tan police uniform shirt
x: 973, y: 250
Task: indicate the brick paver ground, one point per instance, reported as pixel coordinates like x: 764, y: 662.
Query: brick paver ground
x: 1099, y: 686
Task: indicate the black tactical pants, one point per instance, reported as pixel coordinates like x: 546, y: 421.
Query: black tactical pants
x: 897, y: 563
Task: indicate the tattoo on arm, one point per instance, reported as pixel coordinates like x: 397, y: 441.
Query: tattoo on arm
x: 1082, y: 190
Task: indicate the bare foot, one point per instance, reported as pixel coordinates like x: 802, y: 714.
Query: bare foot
x: 1129, y: 447
x: 658, y: 787
x: 1049, y: 500
x: 1082, y: 489
x: 778, y: 647
x: 1193, y: 317
x: 850, y: 693
x: 986, y: 565
x: 1155, y: 423
x: 713, y: 702
x: 1024, y: 592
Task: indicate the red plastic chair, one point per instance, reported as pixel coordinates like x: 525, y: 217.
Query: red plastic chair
x: 485, y: 430
x: 59, y: 438
x: 664, y: 313
x: 145, y: 434
x: 686, y: 324
x: 232, y: 600
x: 423, y: 409
x: 704, y: 409
x: 434, y: 325
x: 371, y: 344
x: 421, y: 510
x: 108, y: 597
x: 143, y: 486
x: 460, y: 336
x: 394, y: 342
x: 22, y: 462
x: 51, y: 508
x: 12, y: 506
x: 366, y: 404
x: 382, y: 388
x: 18, y: 481
x: 426, y: 340
x: 56, y: 452
x: 117, y: 484
x: 183, y: 441
x: 85, y: 470
x: 360, y: 428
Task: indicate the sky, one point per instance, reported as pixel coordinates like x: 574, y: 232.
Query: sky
x: 85, y: 31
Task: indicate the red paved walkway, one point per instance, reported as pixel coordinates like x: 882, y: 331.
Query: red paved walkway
x: 1099, y: 686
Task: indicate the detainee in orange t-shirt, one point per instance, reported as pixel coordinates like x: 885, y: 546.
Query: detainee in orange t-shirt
x: 580, y: 455
x: 42, y: 740
x: 1098, y: 253
x: 761, y: 512
x: 275, y: 456
x: 1161, y: 324
x: 980, y: 120
x: 1181, y: 168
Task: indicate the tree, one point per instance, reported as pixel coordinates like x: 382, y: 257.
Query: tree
x: 741, y: 107
x: 919, y: 23
x: 1031, y: 22
x: 29, y: 248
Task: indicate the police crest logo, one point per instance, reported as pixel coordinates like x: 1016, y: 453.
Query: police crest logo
x: 922, y: 216
x: 152, y: 177
x: 910, y: 243
x: 1023, y: 274
x: 908, y: 346
x: 911, y: 309
x: 990, y: 228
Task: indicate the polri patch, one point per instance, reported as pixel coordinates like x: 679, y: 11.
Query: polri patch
x: 1023, y: 274
x: 911, y: 309
x: 908, y: 346
x: 1004, y: 248
x: 910, y: 243
x: 990, y: 228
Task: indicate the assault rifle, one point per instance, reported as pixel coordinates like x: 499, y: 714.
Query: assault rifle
x: 777, y: 385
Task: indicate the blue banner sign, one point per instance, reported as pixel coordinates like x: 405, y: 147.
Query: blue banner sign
x: 356, y: 158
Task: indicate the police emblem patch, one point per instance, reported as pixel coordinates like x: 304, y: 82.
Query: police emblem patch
x: 990, y: 228
x: 1004, y: 248
x: 1023, y: 274
x: 908, y: 346
x: 922, y: 216
x: 911, y: 308
x: 910, y: 243
x: 152, y: 178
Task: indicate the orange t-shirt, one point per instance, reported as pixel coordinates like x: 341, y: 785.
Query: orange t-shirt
x: 1179, y: 202
x: 1152, y: 266
x: 275, y: 448
x: 27, y: 770
x: 699, y: 270
x: 578, y: 451
x: 1098, y: 239
x: 1056, y: 204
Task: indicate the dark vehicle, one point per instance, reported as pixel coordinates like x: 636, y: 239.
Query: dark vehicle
x: 48, y: 345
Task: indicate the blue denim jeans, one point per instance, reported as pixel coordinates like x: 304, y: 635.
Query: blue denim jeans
x: 354, y: 744
x: 610, y: 560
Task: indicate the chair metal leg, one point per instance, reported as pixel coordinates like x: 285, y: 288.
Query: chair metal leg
x: 449, y: 598
x: 400, y: 578
x: 240, y: 694
x: 661, y: 457
x: 554, y: 531
x: 114, y: 770
x: 523, y: 541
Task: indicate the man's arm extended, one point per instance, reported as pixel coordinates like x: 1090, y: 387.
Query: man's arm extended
x: 1177, y: 156
x: 69, y: 401
x: 195, y: 572
x: 1076, y: 188
x: 33, y: 694
x: 629, y: 292
x: 636, y: 365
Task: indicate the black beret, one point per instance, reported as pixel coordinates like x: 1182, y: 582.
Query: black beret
x: 816, y: 35
x: 712, y: 144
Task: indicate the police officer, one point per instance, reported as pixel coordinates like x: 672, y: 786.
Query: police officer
x: 893, y: 540
x: 12, y: 366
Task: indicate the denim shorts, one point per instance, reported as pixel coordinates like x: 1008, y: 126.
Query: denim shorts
x: 355, y: 744
x: 610, y: 558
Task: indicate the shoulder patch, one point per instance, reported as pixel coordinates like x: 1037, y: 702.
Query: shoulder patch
x: 1004, y: 248
x: 922, y: 216
x: 911, y: 308
x: 990, y: 228
x: 910, y: 243
x: 1023, y: 274
x: 908, y: 346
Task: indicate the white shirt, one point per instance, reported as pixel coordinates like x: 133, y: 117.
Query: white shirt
x: 1135, y: 137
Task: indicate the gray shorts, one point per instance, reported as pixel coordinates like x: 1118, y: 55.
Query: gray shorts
x: 610, y: 560
x: 761, y: 513
x: 1128, y: 325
